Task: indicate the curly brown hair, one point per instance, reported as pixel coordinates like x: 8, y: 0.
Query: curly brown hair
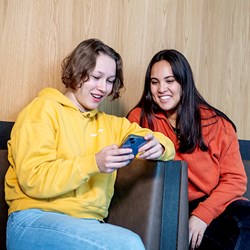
x: 77, y: 66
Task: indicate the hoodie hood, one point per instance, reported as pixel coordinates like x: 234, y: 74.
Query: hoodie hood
x: 56, y: 95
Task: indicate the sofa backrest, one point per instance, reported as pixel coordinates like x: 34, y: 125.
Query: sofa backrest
x: 4, y: 164
x: 5, y: 128
x: 247, y: 168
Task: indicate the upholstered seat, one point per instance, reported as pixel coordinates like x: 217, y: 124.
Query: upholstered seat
x: 150, y: 199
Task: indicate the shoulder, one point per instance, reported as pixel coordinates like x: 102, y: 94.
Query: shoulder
x: 211, y: 121
x: 135, y: 112
x: 134, y: 115
x: 49, y: 105
x: 207, y: 113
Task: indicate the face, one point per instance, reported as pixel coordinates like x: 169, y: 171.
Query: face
x: 166, y: 91
x: 91, y: 93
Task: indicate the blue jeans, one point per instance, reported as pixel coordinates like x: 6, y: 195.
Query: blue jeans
x: 230, y: 230
x: 36, y: 229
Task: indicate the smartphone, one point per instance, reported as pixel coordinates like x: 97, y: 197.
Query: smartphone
x: 134, y: 142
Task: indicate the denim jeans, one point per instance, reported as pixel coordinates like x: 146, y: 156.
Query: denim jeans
x: 230, y: 230
x: 36, y: 229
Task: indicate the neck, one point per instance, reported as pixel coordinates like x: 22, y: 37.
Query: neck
x: 172, y: 116
x: 73, y: 99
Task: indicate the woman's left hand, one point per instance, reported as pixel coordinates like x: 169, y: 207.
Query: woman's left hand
x: 152, y: 150
x: 197, y: 228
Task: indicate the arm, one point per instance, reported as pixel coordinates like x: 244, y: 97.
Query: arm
x: 166, y: 143
x: 231, y: 183
x: 50, y: 161
x: 113, y: 157
x: 232, y: 177
x: 158, y: 147
x: 40, y: 171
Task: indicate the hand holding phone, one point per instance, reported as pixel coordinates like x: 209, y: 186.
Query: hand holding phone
x: 134, y: 142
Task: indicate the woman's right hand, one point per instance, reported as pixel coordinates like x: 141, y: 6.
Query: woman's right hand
x: 111, y: 158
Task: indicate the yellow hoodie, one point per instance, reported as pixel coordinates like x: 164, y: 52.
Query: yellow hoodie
x: 52, y: 157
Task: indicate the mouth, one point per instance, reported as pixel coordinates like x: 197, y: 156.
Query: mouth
x: 164, y: 97
x: 98, y: 97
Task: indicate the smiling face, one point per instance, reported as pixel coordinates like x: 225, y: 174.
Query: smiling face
x: 166, y: 91
x: 88, y: 95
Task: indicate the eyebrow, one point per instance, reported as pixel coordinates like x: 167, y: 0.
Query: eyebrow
x: 102, y: 73
x: 154, y: 78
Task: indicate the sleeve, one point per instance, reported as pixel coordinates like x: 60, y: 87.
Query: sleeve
x: 134, y: 128
x: 134, y: 117
x: 232, y: 180
x: 39, y: 170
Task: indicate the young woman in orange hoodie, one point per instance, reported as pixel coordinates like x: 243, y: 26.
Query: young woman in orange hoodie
x: 206, y: 139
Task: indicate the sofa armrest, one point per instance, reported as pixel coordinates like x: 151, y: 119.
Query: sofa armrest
x: 247, y: 169
x: 151, y: 199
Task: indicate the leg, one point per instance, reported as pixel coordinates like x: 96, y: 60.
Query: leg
x: 36, y: 229
x: 222, y: 233
x: 240, y: 211
x: 231, y: 230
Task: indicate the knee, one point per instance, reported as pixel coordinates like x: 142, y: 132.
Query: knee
x: 132, y: 241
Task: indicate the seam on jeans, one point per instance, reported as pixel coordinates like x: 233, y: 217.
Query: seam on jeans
x: 64, y: 233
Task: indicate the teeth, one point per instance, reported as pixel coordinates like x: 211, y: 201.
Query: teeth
x: 165, y: 97
x: 97, y: 96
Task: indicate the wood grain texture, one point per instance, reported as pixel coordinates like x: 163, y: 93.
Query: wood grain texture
x: 214, y: 36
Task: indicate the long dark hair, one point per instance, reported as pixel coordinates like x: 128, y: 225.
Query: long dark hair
x: 188, y: 119
x: 82, y: 60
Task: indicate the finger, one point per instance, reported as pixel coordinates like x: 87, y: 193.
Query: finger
x: 149, y: 156
x: 115, y: 166
x: 151, y: 142
x: 122, y: 158
x: 150, y: 145
x: 199, y: 239
x: 117, y: 159
x: 149, y: 137
x: 193, y: 242
x: 151, y: 153
x: 190, y: 238
x: 122, y: 151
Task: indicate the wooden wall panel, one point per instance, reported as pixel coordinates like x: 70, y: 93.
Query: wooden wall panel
x: 213, y: 34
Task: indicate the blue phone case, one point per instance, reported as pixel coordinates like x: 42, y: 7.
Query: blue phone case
x: 134, y: 142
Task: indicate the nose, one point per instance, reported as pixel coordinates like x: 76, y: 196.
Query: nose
x: 162, y: 87
x: 102, y: 85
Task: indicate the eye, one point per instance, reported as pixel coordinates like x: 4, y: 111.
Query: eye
x: 95, y: 77
x: 170, y: 81
x: 111, y: 81
x: 153, y: 82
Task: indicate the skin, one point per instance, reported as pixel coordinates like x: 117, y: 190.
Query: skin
x: 166, y: 93
x: 88, y: 95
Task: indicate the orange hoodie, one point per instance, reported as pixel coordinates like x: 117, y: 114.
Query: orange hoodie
x: 218, y: 173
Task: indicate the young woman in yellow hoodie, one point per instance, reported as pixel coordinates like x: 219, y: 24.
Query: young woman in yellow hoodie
x: 64, y: 154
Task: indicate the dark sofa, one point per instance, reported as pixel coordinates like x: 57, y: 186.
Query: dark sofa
x: 150, y: 199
